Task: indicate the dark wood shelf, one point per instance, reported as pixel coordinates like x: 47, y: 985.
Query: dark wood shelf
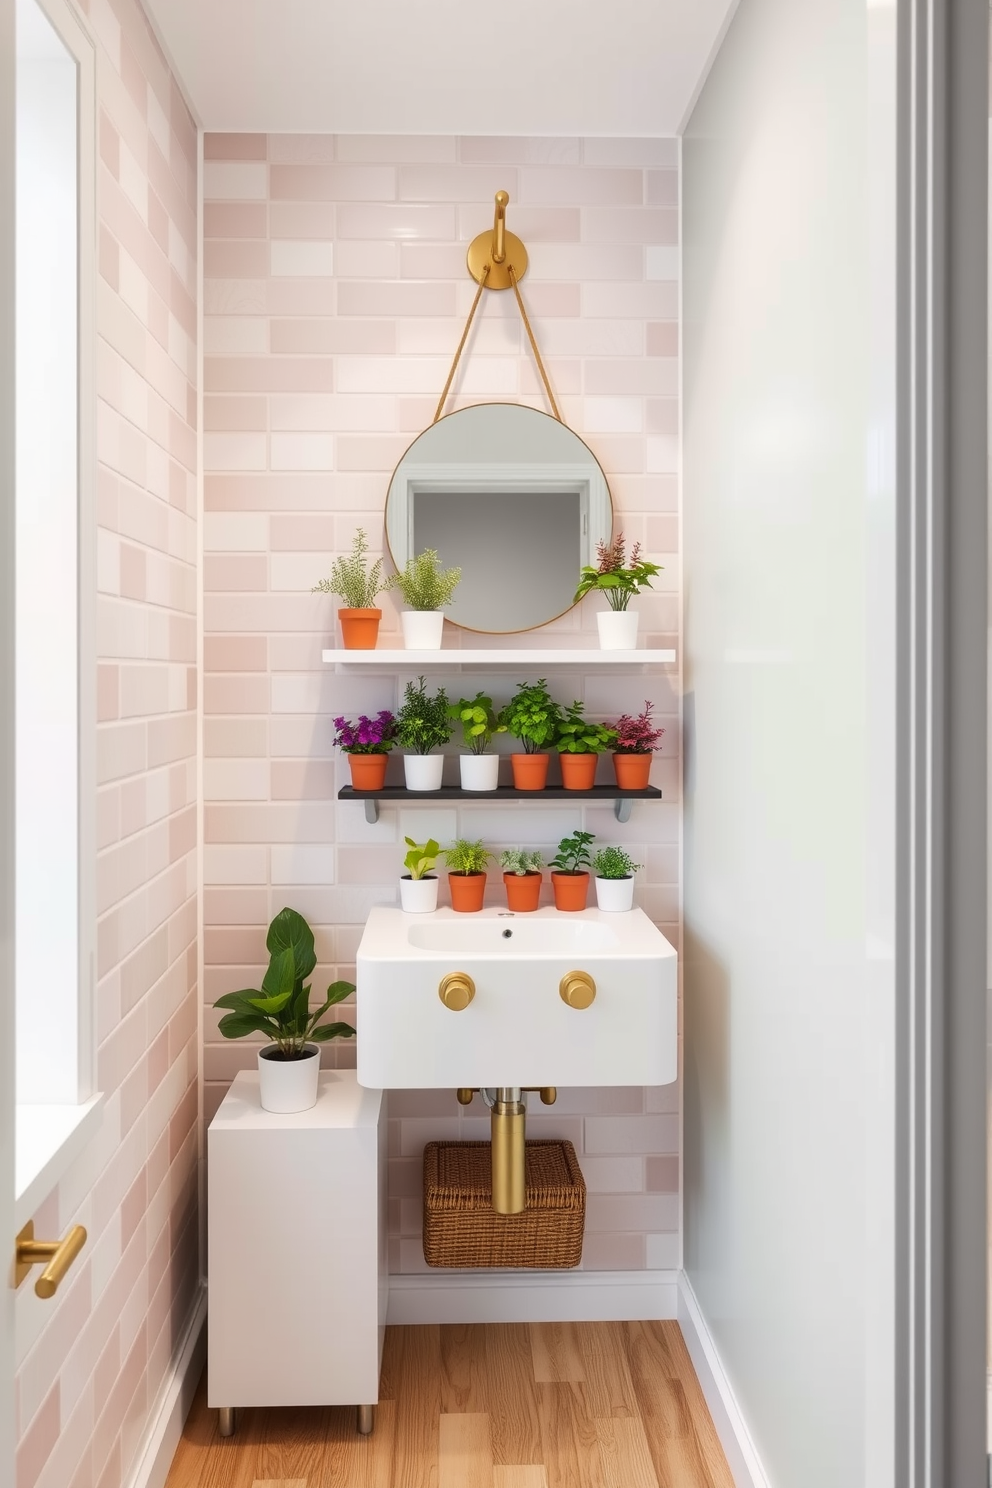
x: 398, y: 795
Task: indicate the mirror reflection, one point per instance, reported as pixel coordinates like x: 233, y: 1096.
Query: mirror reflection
x: 511, y: 496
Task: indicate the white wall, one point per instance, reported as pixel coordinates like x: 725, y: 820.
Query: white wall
x: 789, y: 374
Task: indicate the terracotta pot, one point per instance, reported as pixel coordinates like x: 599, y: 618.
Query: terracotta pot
x: 633, y: 771
x: 578, y: 771
x: 368, y: 771
x: 571, y: 890
x: 467, y: 891
x: 359, y: 629
x: 523, y: 891
x: 530, y: 771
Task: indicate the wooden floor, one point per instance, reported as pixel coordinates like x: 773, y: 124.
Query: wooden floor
x: 511, y: 1405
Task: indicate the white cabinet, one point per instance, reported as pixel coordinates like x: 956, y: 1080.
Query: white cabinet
x: 296, y: 1250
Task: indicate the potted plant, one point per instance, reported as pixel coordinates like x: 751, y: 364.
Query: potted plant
x: 532, y: 716
x: 522, y: 878
x: 357, y: 584
x: 423, y: 723
x: 570, y: 871
x: 636, y: 739
x: 426, y: 588
x: 288, y: 1066
x: 619, y: 581
x: 367, y: 744
x: 418, y: 888
x: 614, y: 870
x: 480, y: 767
x: 466, y: 863
x: 580, y: 742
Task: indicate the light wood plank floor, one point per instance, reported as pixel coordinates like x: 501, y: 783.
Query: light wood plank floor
x: 511, y: 1405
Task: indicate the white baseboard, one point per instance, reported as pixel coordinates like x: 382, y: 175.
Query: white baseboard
x: 540, y: 1297
x: 739, y: 1450
x: 169, y: 1411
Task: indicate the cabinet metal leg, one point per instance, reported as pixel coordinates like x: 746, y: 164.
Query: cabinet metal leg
x: 366, y: 1419
x: 227, y: 1420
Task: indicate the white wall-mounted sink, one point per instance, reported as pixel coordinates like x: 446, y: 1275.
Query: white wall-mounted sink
x: 517, y: 1030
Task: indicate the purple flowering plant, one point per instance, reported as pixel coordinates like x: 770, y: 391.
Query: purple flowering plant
x: 368, y: 736
x: 636, y: 735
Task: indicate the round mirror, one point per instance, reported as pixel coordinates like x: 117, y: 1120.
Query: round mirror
x: 513, y: 498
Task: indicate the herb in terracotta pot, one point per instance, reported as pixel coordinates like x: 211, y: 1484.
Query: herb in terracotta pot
x: 533, y: 717
x: 418, y: 887
x: 614, y: 870
x: 480, y: 767
x: 522, y: 878
x: 358, y: 584
x: 636, y: 739
x: 570, y: 871
x: 427, y: 589
x: 579, y: 741
x: 466, y: 863
x: 367, y: 743
x: 423, y: 724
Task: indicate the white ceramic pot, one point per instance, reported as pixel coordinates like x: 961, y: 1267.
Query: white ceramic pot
x: 422, y: 629
x: 617, y: 630
x: 288, y: 1085
x: 615, y: 893
x: 480, y: 772
x: 418, y: 895
x: 422, y: 772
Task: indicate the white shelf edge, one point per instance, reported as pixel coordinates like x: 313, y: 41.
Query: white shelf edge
x: 498, y: 657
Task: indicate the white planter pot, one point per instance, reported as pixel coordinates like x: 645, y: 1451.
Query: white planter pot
x: 615, y: 893
x: 422, y: 629
x: 422, y: 772
x: 480, y: 772
x: 418, y: 895
x: 288, y: 1085
x: 617, y: 630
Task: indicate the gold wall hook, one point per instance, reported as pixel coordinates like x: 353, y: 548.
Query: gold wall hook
x: 499, y: 227
x: 497, y: 258
x: 59, y: 1255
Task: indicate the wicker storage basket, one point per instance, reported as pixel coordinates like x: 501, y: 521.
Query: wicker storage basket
x: 461, y: 1228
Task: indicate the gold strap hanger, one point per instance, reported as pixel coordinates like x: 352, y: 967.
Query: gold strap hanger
x: 498, y: 260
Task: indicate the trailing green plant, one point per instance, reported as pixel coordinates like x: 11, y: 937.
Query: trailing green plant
x: 532, y: 716
x: 423, y: 723
x: 580, y: 735
x: 573, y: 853
x: 280, y: 1008
x: 423, y: 583
x: 521, y: 860
x: 479, y: 722
x: 618, y: 579
x: 614, y: 862
x: 466, y: 857
x: 351, y: 578
x: 422, y: 856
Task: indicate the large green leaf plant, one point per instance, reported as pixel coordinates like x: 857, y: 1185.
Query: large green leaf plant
x: 280, y: 1009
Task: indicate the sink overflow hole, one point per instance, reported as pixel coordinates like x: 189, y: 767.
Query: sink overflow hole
x: 507, y: 934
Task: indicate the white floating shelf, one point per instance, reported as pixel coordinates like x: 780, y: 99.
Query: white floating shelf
x: 509, y: 656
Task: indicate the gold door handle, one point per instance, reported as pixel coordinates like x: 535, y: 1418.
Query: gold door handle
x: 577, y: 988
x: 456, y: 990
x: 59, y: 1254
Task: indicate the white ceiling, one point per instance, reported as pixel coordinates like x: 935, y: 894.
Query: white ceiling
x: 545, y: 67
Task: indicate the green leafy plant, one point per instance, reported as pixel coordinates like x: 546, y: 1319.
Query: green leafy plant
x: 573, y: 853
x: 580, y: 735
x: 521, y: 860
x: 532, y: 716
x: 617, y: 578
x: 466, y: 857
x: 352, y: 579
x: 614, y: 862
x: 479, y: 722
x: 422, y: 856
x: 423, y: 723
x: 280, y: 1008
x: 423, y: 583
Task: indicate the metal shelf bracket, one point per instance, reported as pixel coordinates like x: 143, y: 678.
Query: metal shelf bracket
x: 622, y: 808
x: 371, y: 810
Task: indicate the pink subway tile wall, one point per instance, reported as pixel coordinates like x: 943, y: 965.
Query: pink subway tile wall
x: 92, y: 1362
x: 334, y: 298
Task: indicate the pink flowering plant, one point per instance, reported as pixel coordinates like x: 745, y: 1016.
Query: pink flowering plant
x: 637, y: 735
x: 618, y: 578
x: 368, y: 736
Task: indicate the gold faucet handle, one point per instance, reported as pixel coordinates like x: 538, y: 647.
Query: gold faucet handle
x: 59, y: 1255
x: 456, y: 990
x: 577, y: 988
